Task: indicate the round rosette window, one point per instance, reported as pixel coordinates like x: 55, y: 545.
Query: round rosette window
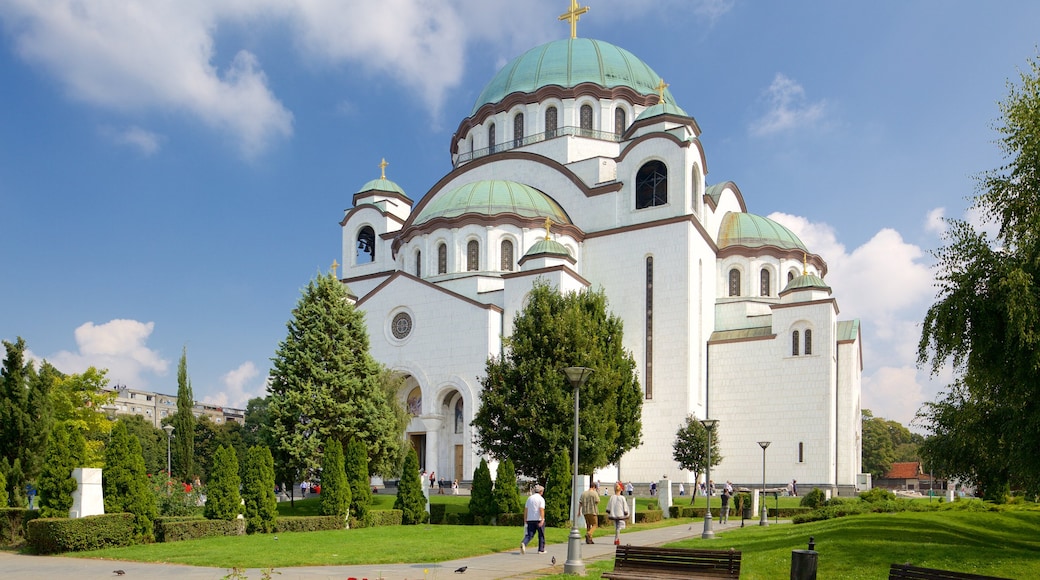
x: 401, y: 325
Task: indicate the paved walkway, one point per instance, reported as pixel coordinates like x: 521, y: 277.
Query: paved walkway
x: 492, y: 566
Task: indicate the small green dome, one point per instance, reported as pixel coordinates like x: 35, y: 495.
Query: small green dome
x: 381, y: 185
x: 806, y: 281
x: 754, y: 231
x: 492, y: 197
x: 551, y: 247
x: 665, y: 108
x: 568, y: 63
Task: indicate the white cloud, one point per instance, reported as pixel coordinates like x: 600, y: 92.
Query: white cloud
x: 117, y: 345
x: 237, y: 391
x: 788, y: 108
x: 894, y: 393
x: 712, y: 10
x: 143, y: 140
x: 934, y: 222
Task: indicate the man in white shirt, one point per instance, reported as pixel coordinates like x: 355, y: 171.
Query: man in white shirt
x: 535, y: 514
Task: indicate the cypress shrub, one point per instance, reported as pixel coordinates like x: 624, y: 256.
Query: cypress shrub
x: 222, y: 496
x: 56, y: 483
x: 558, y: 492
x: 125, y: 482
x: 261, y: 507
x: 335, y: 490
x: 410, y: 499
x: 357, y: 474
x: 481, y: 499
x: 506, y: 494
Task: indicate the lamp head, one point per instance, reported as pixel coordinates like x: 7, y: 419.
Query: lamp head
x: 764, y: 444
x: 168, y: 428
x: 577, y: 375
x: 709, y: 424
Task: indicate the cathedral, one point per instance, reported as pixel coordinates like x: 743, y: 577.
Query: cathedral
x: 577, y: 166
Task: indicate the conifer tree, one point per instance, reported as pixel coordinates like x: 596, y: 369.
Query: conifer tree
x: 184, y: 424
x: 506, y: 495
x: 261, y: 507
x: 357, y: 475
x: 56, y: 484
x: 125, y: 482
x: 15, y: 478
x: 335, y: 489
x: 481, y: 498
x: 558, y: 491
x: 3, y: 490
x: 222, y: 496
x: 410, y: 499
x: 16, y: 428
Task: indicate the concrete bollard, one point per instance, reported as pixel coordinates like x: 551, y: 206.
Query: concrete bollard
x: 803, y: 562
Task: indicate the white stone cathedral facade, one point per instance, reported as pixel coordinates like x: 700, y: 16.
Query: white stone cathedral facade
x: 726, y: 312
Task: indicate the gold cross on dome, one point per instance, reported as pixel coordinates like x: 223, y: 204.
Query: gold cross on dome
x: 661, y: 86
x: 382, y: 168
x: 548, y: 224
x: 335, y: 265
x: 573, y: 15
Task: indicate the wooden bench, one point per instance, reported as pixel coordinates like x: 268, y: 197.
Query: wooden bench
x: 908, y: 572
x: 638, y: 562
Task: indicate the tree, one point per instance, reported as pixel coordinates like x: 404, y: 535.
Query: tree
x: 690, y: 447
x: 357, y: 475
x: 554, y: 331
x: 410, y: 499
x: 335, y: 489
x: 184, y: 424
x: 222, y: 496
x: 3, y: 490
x: 261, y: 507
x: 79, y: 402
x: 325, y: 383
x: 257, y: 428
x: 15, y: 481
x: 152, y: 439
x: 125, y: 482
x: 506, y: 495
x: 481, y: 495
x: 885, y: 442
x: 16, y: 426
x: 56, y: 484
x: 984, y: 322
x: 558, y: 491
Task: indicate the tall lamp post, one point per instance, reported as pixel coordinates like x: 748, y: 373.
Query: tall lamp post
x: 708, y: 533
x: 765, y: 513
x: 574, y: 565
x: 169, y: 437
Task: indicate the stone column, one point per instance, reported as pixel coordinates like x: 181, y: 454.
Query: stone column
x: 88, y: 499
x: 664, y: 493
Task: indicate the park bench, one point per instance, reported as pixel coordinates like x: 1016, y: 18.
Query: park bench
x: 638, y: 562
x: 908, y: 572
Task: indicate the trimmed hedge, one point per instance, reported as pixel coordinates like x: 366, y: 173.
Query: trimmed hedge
x: 13, y: 522
x: 53, y: 535
x: 510, y: 519
x: 183, y: 528
x: 310, y: 523
x: 649, y: 516
x: 388, y: 517
x: 437, y: 511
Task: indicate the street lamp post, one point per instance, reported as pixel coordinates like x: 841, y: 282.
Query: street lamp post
x: 765, y: 513
x: 708, y: 533
x: 169, y: 437
x: 574, y: 565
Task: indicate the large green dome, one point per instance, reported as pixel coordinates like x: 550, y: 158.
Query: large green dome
x: 492, y: 197
x: 754, y: 231
x: 568, y: 63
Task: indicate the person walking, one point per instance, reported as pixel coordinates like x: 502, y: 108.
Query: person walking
x: 534, y: 511
x: 727, y: 492
x: 617, y: 510
x: 588, y: 505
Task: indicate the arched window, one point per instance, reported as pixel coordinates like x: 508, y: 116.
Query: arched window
x: 808, y: 341
x: 414, y: 402
x: 794, y: 343
x: 518, y: 130
x: 458, y: 416
x: 763, y: 285
x: 652, y: 185
x: 790, y: 276
x: 734, y: 282
x: 473, y: 256
x: 491, y: 138
x: 507, y: 256
x: 586, y: 120
x: 648, y: 382
x: 442, y: 258
x: 366, y: 245
x: 619, y: 123
x: 418, y: 263
x: 550, y: 122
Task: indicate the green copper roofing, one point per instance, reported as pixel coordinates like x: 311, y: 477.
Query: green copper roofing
x: 848, y: 330
x: 490, y: 198
x: 806, y: 281
x: 754, y: 231
x: 381, y: 185
x: 568, y: 63
x: 662, y: 109
x: 551, y: 247
x: 715, y: 191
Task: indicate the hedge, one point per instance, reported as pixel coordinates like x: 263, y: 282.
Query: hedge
x: 52, y: 535
x: 12, y: 525
x: 387, y: 517
x: 310, y: 523
x: 176, y: 529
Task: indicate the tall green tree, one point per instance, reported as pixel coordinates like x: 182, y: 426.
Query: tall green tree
x: 326, y: 384
x: 222, y: 490
x: 3, y: 490
x: 690, y: 448
x: 335, y: 489
x: 481, y: 495
x: 78, y: 401
x: 983, y: 427
x: 56, y: 484
x: 16, y: 421
x: 14, y: 479
x: 506, y: 495
x: 410, y: 499
x: 184, y: 424
x: 152, y: 439
x: 886, y: 442
x: 41, y: 385
x: 527, y: 406
x: 558, y: 491
x: 125, y: 482
x: 357, y: 475
x: 261, y: 507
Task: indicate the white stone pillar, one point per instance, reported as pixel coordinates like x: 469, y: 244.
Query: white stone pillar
x: 88, y: 499
x: 664, y: 492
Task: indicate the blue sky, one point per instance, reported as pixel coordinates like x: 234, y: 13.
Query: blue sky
x: 172, y: 174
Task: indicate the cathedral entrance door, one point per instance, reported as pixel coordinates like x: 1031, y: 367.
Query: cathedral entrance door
x: 458, y: 462
x: 418, y: 441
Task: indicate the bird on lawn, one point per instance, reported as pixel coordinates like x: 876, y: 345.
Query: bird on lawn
x: 461, y: 570
x: 554, y: 560
x: 119, y: 572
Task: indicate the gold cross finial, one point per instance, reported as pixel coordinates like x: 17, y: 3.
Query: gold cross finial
x: 548, y: 224
x: 661, y: 86
x: 805, y: 264
x: 573, y: 15
x: 382, y: 168
x: 334, y: 266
